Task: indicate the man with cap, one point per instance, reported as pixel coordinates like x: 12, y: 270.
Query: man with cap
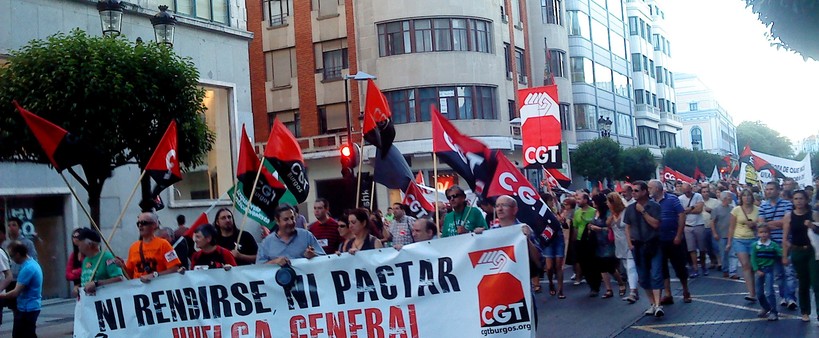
x: 107, y: 270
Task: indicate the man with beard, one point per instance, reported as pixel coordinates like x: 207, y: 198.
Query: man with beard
x: 463, y: 218
x: 228, y: 238
x: 288, y: 242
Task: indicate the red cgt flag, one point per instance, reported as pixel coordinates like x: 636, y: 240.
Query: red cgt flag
x: 61, y: 147
x: 200, y: 221
x: 163, y: 166
x: 419, y: 178
x: 669, y: 174
x: 417, y: 203
x: 284, y: 153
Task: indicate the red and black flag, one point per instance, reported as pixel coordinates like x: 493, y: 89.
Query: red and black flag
x: 468, y: 157
x: 163, y: 166
x: 391, y: 169
x: 200, y: 221
x: 417, y: 203
x: 63, y: 149
x: 759, y: 163
x: 378, y: 127
x: 699, y: 175
x: 284, y: 154
x: 268, y: 190
x: 532, y: 210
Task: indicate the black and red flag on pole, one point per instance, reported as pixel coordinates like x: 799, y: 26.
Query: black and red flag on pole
x: 417, y: 203
x: 759, y: 164
x: 391, y: 169
x: 200, y: 221
x: 468, y: 157
x: 63, y: 149
x: 698, y: 175
x: 532, y: 210
x: 378, y: 127
x: 284, y: 154
x: 163, y: 166
x: 268, y: 189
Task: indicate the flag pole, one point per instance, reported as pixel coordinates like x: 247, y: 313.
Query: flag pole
x: 249, y: 202
x: 208, y: 210
x: 125, y: 207
x: 435, y: 189
x: 93, y: 223
x: 360, y: 164
x: 372, y: 193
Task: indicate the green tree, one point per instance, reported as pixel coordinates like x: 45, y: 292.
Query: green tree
x: 638, y: 164
x: 598, y: 159
x: 115, y: 95
x: 687, y: 160
x: 763, y: 139
x: 792, y: 24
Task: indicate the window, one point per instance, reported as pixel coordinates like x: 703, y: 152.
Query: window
x: 557, y: 62
x: 602, y: 77
x: 275, y: 11
x: 635, y: 62
x: 656, y: 42
x: 215, y: 175
x: 579, y: 24
x: 648, y: 97
x: 692, y: 106
x: 659, y: 74
x: 423, y: 35
x: 325, y: 7
x: 481, y: 36
x: 520, y: 65
x: 508, y: 57
x: 669, y: 47
x: 621, y: 86
x: 332, y: 118
x: 696, y: 138
x: 565, y: 122
x: 645, y: 64
x: 654, y: 100
x: 633, y: 27
x: 394, y: 38
x: 443, y: 39
x: 651, y: 67
x: 290, y: 119
x: 454, y: 102
x: 551, y: 10
x: 624, y: 125
x: 671, y: 79
x: 647, y: 135
x: 585, y: 117
x: 618, y: 45
x: 616, y: 9
x: 513, y: 109
x: 673, y: 107
x: 662, y: 105
x: 668, y: 139
x: 334, y: 62
x: 642, y: 28
x: 600, y: 34
x: 638, y: 96
x: 648, y: 33
x: 460, y: 35
x: 582, y: 70
x: 212, y: 10
x: 280, y: 66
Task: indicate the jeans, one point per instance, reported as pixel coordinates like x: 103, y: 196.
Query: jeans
x: 713, y: 246
x: 786, y: 279
x: 25, y: 324
x: 765, y: 289
x: 648, y: 259
x: 729, y: 258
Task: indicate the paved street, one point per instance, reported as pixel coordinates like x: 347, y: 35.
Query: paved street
x: 718, y: 310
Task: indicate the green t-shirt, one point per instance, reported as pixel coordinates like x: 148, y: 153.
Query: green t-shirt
x: 107, y: 268
x: 469, y: 219
x: 581, y: 219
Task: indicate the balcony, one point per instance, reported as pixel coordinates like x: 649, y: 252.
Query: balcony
x: 644, y: 111
x: 672, y: 120
x: 313, y: 144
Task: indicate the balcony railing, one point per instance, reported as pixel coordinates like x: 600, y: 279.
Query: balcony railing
x: 318, y: 143
x: 670, y: 116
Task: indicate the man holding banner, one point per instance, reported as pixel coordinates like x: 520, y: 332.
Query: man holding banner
x: 150, y: 256
x: 463, y: 218
x: 288, y: 242
x: 93, y: 274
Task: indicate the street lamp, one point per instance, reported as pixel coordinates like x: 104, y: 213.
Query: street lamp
x: 695, y: 144
x: 164, y: 26
x: 360, y: 76
x: 110, y: 17
x: 604, y: 125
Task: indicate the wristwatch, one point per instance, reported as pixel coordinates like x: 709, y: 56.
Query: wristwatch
x: 156, y: 274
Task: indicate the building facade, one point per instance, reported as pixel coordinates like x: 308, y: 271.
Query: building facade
x: 707, y: 126
x: 657, y: 122
x: 808, y: 145
x: 213, y: 33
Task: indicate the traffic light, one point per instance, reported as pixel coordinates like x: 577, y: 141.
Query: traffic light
x: 349, y: 159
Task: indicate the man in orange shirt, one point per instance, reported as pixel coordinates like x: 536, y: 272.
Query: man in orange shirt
x: 150, y: 256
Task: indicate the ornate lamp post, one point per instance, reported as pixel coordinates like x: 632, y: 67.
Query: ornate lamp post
x: 110, y: 17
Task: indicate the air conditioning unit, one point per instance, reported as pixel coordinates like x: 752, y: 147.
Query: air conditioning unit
x: 525, y: 79
x: 505, y: 18
x: 508, y: 75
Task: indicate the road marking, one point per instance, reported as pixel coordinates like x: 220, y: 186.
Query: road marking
x: 756, y: 310
x: 659, y: 332
x: 710, y: 322
x: 723, y: 294
x: 725, y: 279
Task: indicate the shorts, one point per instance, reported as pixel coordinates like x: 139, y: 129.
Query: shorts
x: 556, y: 248
x: 742, y: 246
x: 696, y: 238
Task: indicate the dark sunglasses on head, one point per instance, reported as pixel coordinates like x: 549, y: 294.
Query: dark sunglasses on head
x: 143, y: 223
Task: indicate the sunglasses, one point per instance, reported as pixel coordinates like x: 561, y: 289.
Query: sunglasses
x: 451, y: 197
x: 143, y: 223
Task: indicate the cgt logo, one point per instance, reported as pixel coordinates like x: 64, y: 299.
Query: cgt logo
x: 415, y: 205
x: 500, y: 294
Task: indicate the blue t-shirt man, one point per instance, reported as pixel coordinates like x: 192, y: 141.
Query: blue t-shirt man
x: 670, y: 216
x: 31, y: 275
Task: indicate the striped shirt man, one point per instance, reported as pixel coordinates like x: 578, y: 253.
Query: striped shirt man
x: 775, y: 211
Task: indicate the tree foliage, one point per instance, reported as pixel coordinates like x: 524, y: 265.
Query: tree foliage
x: 687, y: 160
x: 115, y: 95
x: 792, y: 24
x: 638, y: 164
x: 763, y: 139
x: 598, y: 159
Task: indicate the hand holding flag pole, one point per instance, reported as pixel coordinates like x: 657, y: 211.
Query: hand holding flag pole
x: 249, y: 203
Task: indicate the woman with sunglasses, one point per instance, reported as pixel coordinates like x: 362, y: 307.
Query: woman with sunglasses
x: 343, y: 231
x: 796, y: 242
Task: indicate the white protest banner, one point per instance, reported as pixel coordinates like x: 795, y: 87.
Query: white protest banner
x: 800, y: 171
x: 463, y: 286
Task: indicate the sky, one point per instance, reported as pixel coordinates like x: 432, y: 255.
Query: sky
x: 724, y: 44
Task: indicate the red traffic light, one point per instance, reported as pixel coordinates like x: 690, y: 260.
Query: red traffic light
x: 346, y: 151
x: 349, y: 158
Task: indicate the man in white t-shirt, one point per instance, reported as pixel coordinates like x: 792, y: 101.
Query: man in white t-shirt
x: 712, y: 244
x: 695, y: 233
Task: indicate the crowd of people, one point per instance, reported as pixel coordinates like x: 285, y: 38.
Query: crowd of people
x: 633, y: 237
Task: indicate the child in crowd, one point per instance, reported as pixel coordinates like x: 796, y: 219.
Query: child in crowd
x: 764, y: 254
